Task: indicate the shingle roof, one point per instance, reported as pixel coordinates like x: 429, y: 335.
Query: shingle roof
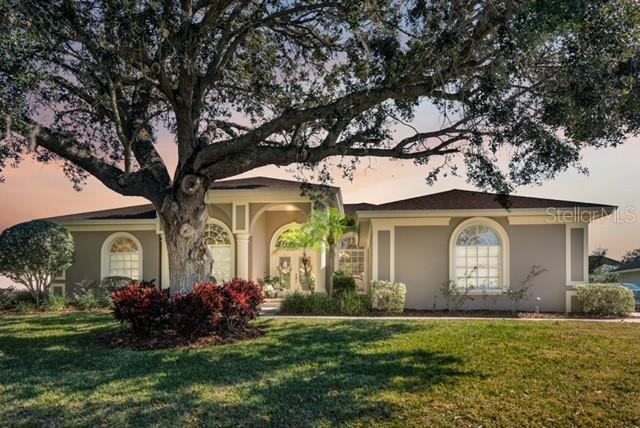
x: 124, y: 213
x: 263, y: 182
x: 457, y: 199
x: 628, y: 266
x: 597, y: 261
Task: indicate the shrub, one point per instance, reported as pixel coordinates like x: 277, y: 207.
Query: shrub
x: 56, y: 303
x: 198, y: 312
x: 605, y: 299
x: 313, y: 304
x: 241, y: 303
x: 388, y: 296
x: 24, y: 307
x: 352, y: 303
x: 88, y: 295
x: 143, y: 308
x: 7, y: 297
x: 455, y: 296
x: 32, y: 253
x: 343, y: 283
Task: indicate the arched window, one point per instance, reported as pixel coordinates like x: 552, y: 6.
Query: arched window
x: 122, y: 256
x: 479, y: 255
x: 221, y: 246
x: 352, y: 259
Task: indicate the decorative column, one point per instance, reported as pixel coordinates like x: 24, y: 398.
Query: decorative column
x: 164, y: 263
x: 242, y: 244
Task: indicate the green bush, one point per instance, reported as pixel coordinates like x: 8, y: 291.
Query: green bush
x: 388, y: 296
x: 605, y: 299
x: 24, y: 307
x: 311, y: 304
x: 89, y: 299
x: 56, y: 303
x: 352, y: 303
x: 7, y: 298
x: 343, y: 283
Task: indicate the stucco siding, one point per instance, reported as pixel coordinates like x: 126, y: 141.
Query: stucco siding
x: 422, y: 263
x: 87, y: 257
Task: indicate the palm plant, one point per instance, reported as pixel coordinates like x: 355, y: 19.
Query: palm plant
x: 303, y: 238
x: 322, y: 228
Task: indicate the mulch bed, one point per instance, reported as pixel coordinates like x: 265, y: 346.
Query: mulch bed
x: 170, y: 339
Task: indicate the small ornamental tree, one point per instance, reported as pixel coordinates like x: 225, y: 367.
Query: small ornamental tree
x: 31, y: 253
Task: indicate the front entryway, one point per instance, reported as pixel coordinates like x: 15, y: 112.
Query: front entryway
x: 288, y: 266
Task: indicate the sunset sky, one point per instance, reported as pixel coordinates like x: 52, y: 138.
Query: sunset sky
x: 35, y: 191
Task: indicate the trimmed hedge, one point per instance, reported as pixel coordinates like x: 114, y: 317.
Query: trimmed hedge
x: 348, y: 303
x: 388, y: 296
x: 343, y: 283
x: 605, y: 299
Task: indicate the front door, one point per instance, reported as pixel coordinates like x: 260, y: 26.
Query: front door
x: 289, y: 267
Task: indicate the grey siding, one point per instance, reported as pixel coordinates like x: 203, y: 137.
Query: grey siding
x: 87, y: 257
x: 632, y: 277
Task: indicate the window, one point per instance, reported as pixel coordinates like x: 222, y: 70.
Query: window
x: 479, y: 250
x: 220, y: 244
x: 122, y: 256
x: 352, y: 259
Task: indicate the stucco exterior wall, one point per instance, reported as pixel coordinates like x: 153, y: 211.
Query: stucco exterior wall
x: 421, y: 256
x: 88, y: 260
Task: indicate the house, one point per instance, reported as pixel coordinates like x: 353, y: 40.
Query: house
x: 629, y: 272
x: 465, y: 236
x: 606, y: 263
x: 601, y: 267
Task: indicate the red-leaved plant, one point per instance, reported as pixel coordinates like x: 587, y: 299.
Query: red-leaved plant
x: 241, y: 303
x: 198, y: 312
x: 143, y: 307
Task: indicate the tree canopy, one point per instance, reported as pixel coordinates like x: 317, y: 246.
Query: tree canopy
x: 32, y: 253
x: 242, y: 84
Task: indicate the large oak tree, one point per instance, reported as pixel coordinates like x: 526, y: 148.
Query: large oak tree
x: 247, y: 83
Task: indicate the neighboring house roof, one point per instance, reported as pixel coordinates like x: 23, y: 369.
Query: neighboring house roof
x: 597, y: 261
x: 457, y: 199
x: 629, y: 267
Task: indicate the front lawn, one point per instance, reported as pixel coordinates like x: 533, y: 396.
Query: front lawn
x: 53, y: 372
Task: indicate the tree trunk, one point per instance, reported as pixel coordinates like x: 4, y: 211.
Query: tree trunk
x: 184, y: 217
x: 331, y: 256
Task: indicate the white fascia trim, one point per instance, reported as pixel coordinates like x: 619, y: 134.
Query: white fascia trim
x: 253, y: 195
x: 386, y: 223
x: 463, y: 213
x: 110, y: 225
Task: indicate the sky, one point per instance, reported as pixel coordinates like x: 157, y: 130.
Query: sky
x: 36, y: 191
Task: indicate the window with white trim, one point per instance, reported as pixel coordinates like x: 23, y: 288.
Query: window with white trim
x: 124, y: 258
x: 479, y: 255
x: 352, y: 259
x: 220, y: 246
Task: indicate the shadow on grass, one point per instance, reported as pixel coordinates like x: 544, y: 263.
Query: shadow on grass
x: 299, y: 374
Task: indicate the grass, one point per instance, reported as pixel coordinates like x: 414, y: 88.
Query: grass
x: 53, y: 372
